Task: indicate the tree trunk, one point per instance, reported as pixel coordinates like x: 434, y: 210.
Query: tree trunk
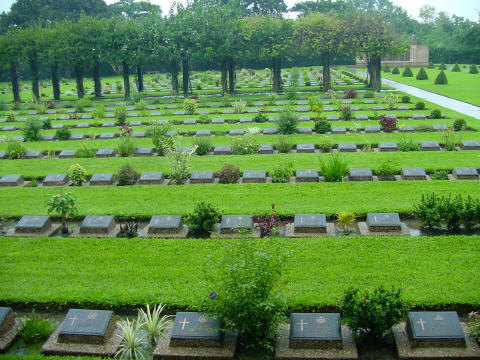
x: 34, y: 69
x: 186, y: 76
x: 276, y: 75
x: 79, y: 79
x: 64, y: 225
x: 55, y: 81
x: 231, y: 74
x: 223, y: 75
x: 96, y: 79
x: 174, y: 74
x: 326, y: 72
x: 374, y: 65
x: 126, y: 80
x: 140, y: 78
x: 14, y: 79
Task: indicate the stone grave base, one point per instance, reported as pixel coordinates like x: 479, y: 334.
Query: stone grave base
x: 113, y: 233
x: 164, y: 351
x: 406, y: 351
x: 268, y: 179
x: 412, y: 178
x: 203, y: 182
x: 183, y: 233
x: 254, y: 233
x: 109, y: 349
x: 364, y: 230
x: 290, y: 232
x: 47, y: 232
x: 88, y: 183
x: 347, y: 179
x: 68, y: 183
x: 8, y: 338
x: 283, y: 352
x: 453, y: 177
x: 294, y: 179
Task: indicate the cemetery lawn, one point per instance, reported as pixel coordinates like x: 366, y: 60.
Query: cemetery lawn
x: 432, y: 271
x: 441, y: 160
x: 462, y: 85
x: 251, y: 199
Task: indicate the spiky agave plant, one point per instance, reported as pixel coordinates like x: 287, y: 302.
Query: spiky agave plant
x: 153, y: 322
x: 134, y: 342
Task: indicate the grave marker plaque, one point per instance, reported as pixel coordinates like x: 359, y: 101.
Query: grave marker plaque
x: 430, y: 146
x: 32, y: 224
x: 304, y: 130
x: 93, y: 224
x: 387, y: 146
x: 269, y: 131
x: 143, y: 151
x: 102, y: 179
x: 193, y: 329
x: 55, y: 180
x: 165, y: 224
x: 33, y: 154
x: 372, y: 129
x: 222, y: 150
x: 148, y: 178
x: 202, y: 177
x: 231, y: 223
x: 347, y: 147
x: 305, y: 148
x: 315, y: 331
x: 470, y: 145
x: 265, y: 149
x: 236, y: 132
x: 11, y: 180
x: 364, y: 174
x: 203, y: 133
x: 338, y: 130
x: 101, y: 153
x: 64, y: 154
x: 384, y: 222
x: 310, y: 223
x: 7, y: 320
x: 306, y: 175
x: 58, y: 126
x: 254, y: 176
x: 414, y: 174
x: 86, y: 327
x: 465, y: 173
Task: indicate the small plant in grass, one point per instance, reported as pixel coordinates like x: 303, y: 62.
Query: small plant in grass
x: 442, y: 67
x: 473, y: 69
x: 271, y: 99
x: 283, y: 172
x: 345, y: 218
x: 456, y: 68
x: 371, y: 315
x: 387, y: 169
x: 239, y: 106
x: 127, y: 175
x: 153, y: 322
x: 350, y: 94
x: 202, y: 220
x: 15, y: 149
x: 129, y: 229
x: 204, y: 119
x: 420, y: 105
x: 126, y: 145
x: 268, y: 224
x: 244, y: 299
x: 284, y: 144
x: 178, y: 159
x: 431, y: 65
x: 441, y: 78
x: 331, y: 94
x: 395, y: 71
x: 36, y: 329
x: 459, y: 125
x: 133, y: 341
x: 439, y: 175
x: 85, y: 151
x: 326, y: 144
x: 81, y: 104
x: 391, y: 99
x: 260, y: 118
x: 31, y: 131
x: 141, y: 105
x: 63, y: 134
x: 406, y: 99
x: 63, y: 204
x: 407, y: 144
x: 314, y: 100
x: 46, y: 124
x: 10, y: 115
x: 226, y: 101
x: 422, y: 74
x: 386, y: 69
x: 99, y: 111
x: 287, y: 123
x: 346, y: 112
x: 322, y: 126
x: 244, y: 145
x: 435, y: 114
x: 77, y: 174
x: 368, y: 94
x: 161, y: 141
x: 228, y: 174
x: 120, y: 115
x: 450, y: 139
x: 334, y: 169
x: 204, y: 146
x: 388, y: 124
x: 474, y: 324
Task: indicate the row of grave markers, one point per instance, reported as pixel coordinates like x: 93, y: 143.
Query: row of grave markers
x: 424, y: 335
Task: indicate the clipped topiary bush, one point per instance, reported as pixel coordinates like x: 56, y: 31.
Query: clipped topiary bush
x: 420, y: 105
x: 456, y: 68
x: 422, y: 75
x: 322, y: 126
x: 473, y: 69
x: 127, y: 175
x: 442, y: 67
x: 431, y: 65
x: 441, y: 79
x: 435, y: 114
x: 459, y: 125
x: 395, y: 71
x: 203, y: 219
x: 406, y: 99
x: 407, y: 72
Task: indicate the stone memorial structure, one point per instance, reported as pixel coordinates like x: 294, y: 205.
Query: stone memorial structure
x: 99, y: 226
x: 9, y: 328
x: 150, y: 178
x: 356, y: 174
x: 102, y: 179
x: 383, y: 224
x: 56, y: 180
x: 309, y: 175
x: 254, y: 176
x: 465, y: 173
x: 34, y: 226
x: 202, y: 177
x: 413, y: 174
x: 305, y: 148
x: 11, y: 180
x: 309, y: 225
x: 166, y: 226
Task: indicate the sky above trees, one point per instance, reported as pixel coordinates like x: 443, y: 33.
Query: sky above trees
x: 466, y: 8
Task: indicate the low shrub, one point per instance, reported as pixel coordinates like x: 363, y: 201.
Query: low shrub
x: 388, y: 124
x: 371, y: 315
x: 350, y: 94
x: 204, y: 119
x: 31, y: 131
x: 178, y: 159
x: 81, y: 104
x: 239, y: 106
x: 287, y: 123
x: 228, y: 174
x: 85, y: 151
x: 260, y: 118
x: 15, y: 149
x: 161, y: 141
x: 442, y: 67
x: 322, y: 126
x: 99, y: 111
x: 244, y: 145
x: 326, y: 144
x: 129, y: 229
x: 77, y: 174
x: 202, y: 219
x: 391, y: 99
x: 441, y: 78
x: 474, y: 324
x: 431, y: 65
x: 10, y: 115
x: 451, y: 139
x: 387, y: 169
x: 395, y: 71
x: 439, y: 175
x: 283, y: 172
x: 46, y: 124
x: 420, y: 105
x: 334, y: 169
x: 386, y: 69
x: 204, y: 146
x: 331, y: 94
x: 63, y: 134
x: 189, y: 106
x: 284, y: 144
x: 127, y: 175
x: 422, y: 75
x: 346, y: 112
x: 126, y: 145
x: 459, y: 125
x: 36, y: 329
x: 268, y: 224
x: 345, y: 218
x: 406, y: 99
x: 407, y: 72
x: 120, y: 115
x: 473, y: 69
x: 408, y: 145
x: 435, y: 114
x: 456, y: 68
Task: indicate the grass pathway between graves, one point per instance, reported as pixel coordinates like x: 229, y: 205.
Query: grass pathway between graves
x: 432, y: 271
x: 254, y: 199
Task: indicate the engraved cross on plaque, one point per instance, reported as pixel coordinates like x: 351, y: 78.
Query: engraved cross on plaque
x: 302, y: 324
x: 184, y: 323
x: 422, y: 323
x: 73, y: 318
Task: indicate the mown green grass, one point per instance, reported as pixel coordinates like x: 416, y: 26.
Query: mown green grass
x: 255, y: 199
x: 432, y: 271
x: 442, y: 160
x: 462, y: 85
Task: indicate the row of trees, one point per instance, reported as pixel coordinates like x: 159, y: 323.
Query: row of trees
x: 212, y: 30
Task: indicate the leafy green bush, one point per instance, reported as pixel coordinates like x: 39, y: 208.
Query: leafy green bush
x: 431, y: 65
x: 129, y: 229
x: 439, y: 175
x: 204, y: 119
x: 334, y: 169
x: 239, y: 106
x: 406, y: 99
x: 407, y: 72
x: 81, y: 104
x: 189, y: 106
x: 47, y: 124
x: 244, y: 145
x: 36, y: 329
x: 127, y: 175
x: 459, y: 125
x: 442, y: 67
x: 228, y: 174
x: 10, y: 115
x: 420, y: 105
x: 283, y: 172
x: 31, y: 131
x: 121, y: 115
x: 473, y: 69
x: 386, y: 69
x: 346, y: 112
x: 99, y: 111
x: 422, y: 75
x: 435, y: 114
x: 346, y: 218
x: 441, y: 78
x: 391, y: 99
x: 395, y: 71
x: 15, y: 149
x: 178, y: 159
x: 474, y: 324
x: 287, y: 123
x: 456, y: 68
x: 203, y: 219
x: 64, y: 205
x: 322, y: 126
x: 204, y: 146
x: 243, y: 296
x: 126, y: 145
x: 260, y: 118
x: 85, y: 151
x: 387, y: 169
x: 160, y: 140
x: 326, y: 144
x: 77, y: 174
x: 450, y: 139
x: 284, y: 144
x: 371, y: 315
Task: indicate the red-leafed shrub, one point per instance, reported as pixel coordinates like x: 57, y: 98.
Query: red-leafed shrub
x: 388, y: 124
x: 350, y: 94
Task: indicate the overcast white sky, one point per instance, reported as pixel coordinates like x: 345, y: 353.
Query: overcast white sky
x: 465, y: 8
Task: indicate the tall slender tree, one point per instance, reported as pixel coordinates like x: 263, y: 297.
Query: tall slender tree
x: 10, y: 54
